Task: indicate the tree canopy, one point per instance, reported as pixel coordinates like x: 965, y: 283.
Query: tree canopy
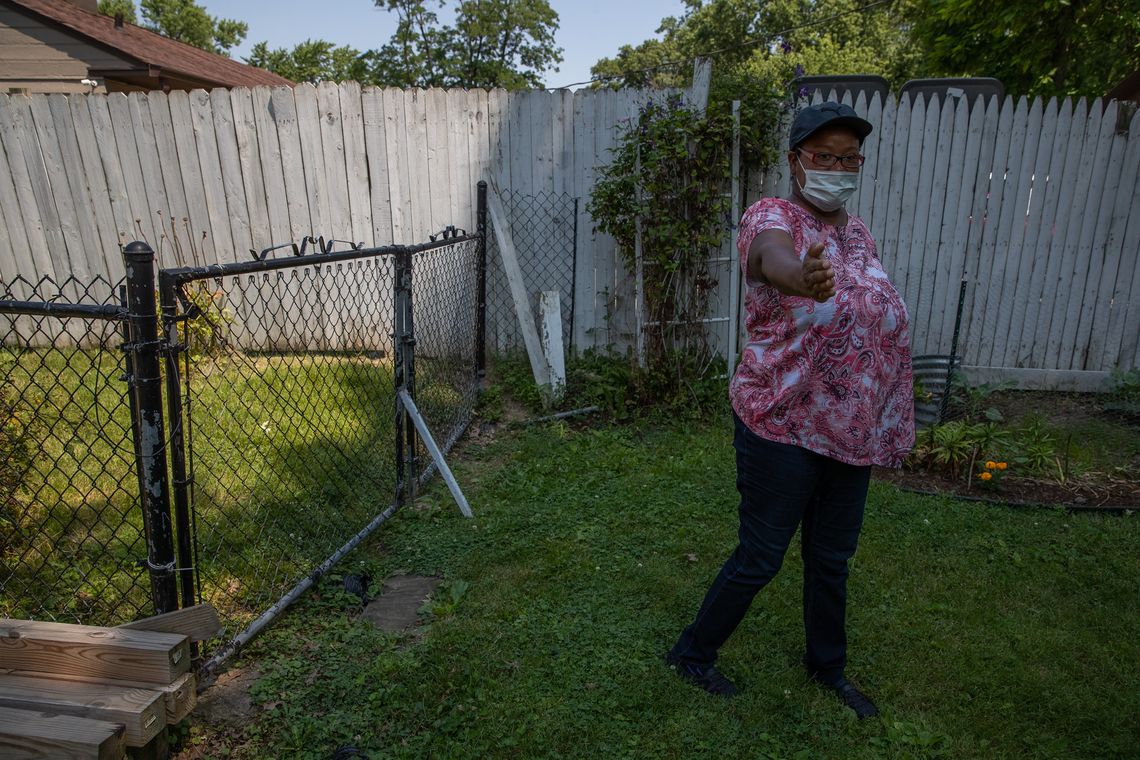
x: 313, y: 61
x: 492, y: 43
x: 1035, y: 47
x: 182, y: 20
x: 771, y: 39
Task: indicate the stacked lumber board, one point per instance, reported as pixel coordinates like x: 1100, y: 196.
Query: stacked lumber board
x: 76, y: 691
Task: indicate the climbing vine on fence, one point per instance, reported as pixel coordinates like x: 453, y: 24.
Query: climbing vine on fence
x: 671, y: 175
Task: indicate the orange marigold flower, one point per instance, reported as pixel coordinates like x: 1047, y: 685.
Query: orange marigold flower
x: 985, y: 475
x: 991, y: 465
x: 1002, y: 465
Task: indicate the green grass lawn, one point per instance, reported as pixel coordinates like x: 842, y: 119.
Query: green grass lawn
x: 292, y: 456
x: 982, y: 631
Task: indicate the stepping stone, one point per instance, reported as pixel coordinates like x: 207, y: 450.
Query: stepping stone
x: 396, y: 610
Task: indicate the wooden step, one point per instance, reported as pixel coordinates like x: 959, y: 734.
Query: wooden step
x: 199, y: 622
x: 32, y: 735
x: 141, y: 711
x: 179, y: 697
x: 121, y: 653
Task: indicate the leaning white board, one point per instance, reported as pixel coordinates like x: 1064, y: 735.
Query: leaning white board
x: 551, y: 310
x: 518, y: 289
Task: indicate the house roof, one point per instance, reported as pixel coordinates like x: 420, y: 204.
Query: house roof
x: 169, y: 57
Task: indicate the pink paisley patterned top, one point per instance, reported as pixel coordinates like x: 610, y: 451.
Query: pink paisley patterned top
x: 831, y: 377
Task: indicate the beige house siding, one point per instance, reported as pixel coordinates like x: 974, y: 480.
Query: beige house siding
x: 39, y: 58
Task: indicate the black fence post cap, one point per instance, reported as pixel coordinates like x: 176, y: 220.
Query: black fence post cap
x: 137, y: 248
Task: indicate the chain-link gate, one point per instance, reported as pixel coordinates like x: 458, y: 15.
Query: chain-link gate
x: 230, y: 431
x: 295, y: 447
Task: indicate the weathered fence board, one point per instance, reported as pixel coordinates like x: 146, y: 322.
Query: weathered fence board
x: 988, y: 259
x: 1088, y: 256
x: 28, y: 257
x: 97, y: 195
x: 375, y: 143
x: 254, y: 187
x: 1009, y: 246
x: 585, y: 314
x: 32, y: 182
x: 1122, y: 287
x: 1066, y: 183
x: 1040, y: 233
x: 942, y: 301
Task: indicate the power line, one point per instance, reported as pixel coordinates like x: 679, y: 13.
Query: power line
x: 746, y: 43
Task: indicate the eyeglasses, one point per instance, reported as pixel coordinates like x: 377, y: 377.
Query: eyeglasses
x: 828, y: 160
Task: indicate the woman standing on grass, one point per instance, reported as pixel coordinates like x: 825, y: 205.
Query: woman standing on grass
x: 823, y: 391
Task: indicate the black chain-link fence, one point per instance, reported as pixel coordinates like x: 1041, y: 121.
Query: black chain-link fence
x: 255, y: 407
x: 289, y: 401
x: 290, y: 375
x: 543, y: 229
x: 289, y: 408
x: 71, y: 530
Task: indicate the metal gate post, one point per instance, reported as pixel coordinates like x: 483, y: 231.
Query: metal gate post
x: 146, y: 385
x: 481, y: 281
x: 180, y: 481
x: 404, y: 379
x: 945, y: 401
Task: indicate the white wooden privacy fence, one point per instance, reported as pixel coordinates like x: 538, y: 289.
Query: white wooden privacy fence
x: 206, y: 176
x: 1035, y: 203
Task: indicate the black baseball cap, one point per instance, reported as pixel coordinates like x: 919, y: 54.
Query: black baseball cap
x: 812, y: 118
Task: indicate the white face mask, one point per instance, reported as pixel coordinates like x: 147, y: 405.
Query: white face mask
x: 828, y: 190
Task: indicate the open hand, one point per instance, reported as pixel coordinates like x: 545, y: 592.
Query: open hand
x: 818, y: 279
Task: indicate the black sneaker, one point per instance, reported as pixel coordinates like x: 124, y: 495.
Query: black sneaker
x: 859, y: 702
x: 705, y: 676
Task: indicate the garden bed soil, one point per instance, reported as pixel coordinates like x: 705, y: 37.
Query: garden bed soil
x: 1083, y: 493
x: 1080, y: 420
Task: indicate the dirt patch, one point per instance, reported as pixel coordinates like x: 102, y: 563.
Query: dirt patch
x: 219, y: 720
x: 397, y: 609
x: 1076, y: 493
x: 226, y: 702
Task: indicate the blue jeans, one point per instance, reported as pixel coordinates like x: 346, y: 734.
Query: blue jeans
x: 783, y: 487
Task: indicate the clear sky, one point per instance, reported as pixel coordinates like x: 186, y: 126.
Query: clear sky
x: 587, y: 29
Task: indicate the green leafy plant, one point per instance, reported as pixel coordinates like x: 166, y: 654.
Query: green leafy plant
x: 596, y: 379
x: 1036, y: 446
x: 973, y: 401
x: 921, y: 394
x: 956, y: 446
x: 204, y: 321
x: 667, y: 184
x: 953, y: 446
x: 489, y: 404
x: 446, y: 598
x: 991, y: 439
